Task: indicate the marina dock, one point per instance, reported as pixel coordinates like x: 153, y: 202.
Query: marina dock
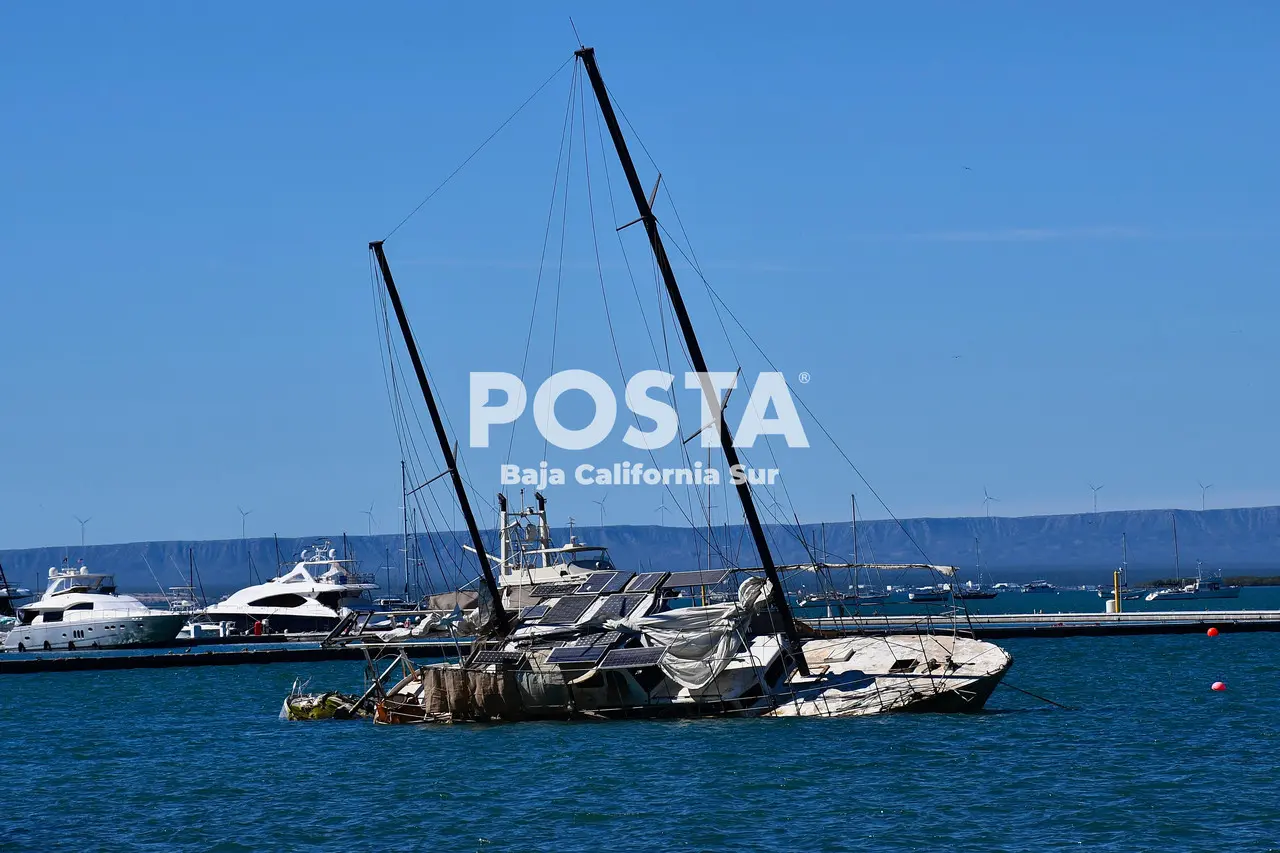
x: 220, y: 652
x: 230, y: 651
x: 997, y: 626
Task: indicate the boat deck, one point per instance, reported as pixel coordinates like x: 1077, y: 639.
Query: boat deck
x: 1007, y: 625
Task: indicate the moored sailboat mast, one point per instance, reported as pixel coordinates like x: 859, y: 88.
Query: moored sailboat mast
x: 778, y: 594
x: 500, y: 619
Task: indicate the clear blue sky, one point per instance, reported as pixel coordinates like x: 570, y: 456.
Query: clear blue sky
x: 1081, y: 203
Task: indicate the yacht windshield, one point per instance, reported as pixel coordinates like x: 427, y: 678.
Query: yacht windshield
x: 83, y: 583
x: 590, y: 561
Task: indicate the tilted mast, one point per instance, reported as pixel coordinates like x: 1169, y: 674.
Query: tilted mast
x: 491, y: 584
x: 778, y: 595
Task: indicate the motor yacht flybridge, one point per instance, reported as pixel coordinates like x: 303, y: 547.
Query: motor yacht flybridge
x: 312, y: 596
x: 597, y: 643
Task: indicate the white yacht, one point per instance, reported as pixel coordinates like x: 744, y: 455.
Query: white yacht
x: 81, y: 610
x: 1039, y: 586
x: 313, y: 596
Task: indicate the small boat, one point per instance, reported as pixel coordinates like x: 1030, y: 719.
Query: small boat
x: 970, y: 591
x: 975, y: 592
x: 926, y: 594
x: 1039, y: 586
x: 1126, y: 594
x: 1200, y: 588
x: 312, y: 597
x: 82, y: 610
x: 856, y: 598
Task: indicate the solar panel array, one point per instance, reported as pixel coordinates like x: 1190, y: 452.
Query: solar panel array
x: 703, y: 578
x: 647, y: 582
x: 536, y: 611
x: 597, y: 582
x: 619, y: 606
x: 486, y: 656
x: 589, y: 655
x: 605, y: 638
x: 551, y: 590
x: 617, y: 583
x: 568, y: 610
x: 632, y: 658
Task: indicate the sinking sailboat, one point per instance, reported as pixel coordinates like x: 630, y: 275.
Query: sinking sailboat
x: 594, y: 641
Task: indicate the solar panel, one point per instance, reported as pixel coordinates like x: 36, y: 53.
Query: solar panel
x: 568, y: 610
x: 703, y: 578
x: 551, y: 590
x: 633, y: 658
x: 487, y: 656
x: 589, y: 655
x: 537, y: 611
x: 619, y: 606
x: 597, y: 582
x: 647, y: 582
x: 617, y: 583
x: 605, y: 638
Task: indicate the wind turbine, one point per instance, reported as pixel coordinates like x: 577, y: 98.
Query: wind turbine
x: 244, y: 513
x: 1096, y: 489
x: 369, y: 514
x: 986, y: 501
x: 1203, y: 489
x: 83, y: 522
x: 662, y: 511
x: 248, y: 558
x: 600, y: 503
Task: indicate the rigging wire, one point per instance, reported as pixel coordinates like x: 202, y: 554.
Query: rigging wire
x: 564, y: 225
x: 718, y: 303
x: 613, y: 338
x: 478, y: 149
x: 546, y: 239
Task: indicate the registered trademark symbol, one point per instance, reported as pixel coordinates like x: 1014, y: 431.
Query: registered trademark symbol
x: 804, y: 377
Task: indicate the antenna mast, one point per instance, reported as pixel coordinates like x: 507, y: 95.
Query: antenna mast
x: 644, y: 207
x: 491, y: 584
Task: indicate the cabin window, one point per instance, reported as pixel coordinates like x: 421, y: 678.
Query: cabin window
x: 53, y: 616
x: 904, y: 665
x: 83, y: 605
x: 287, y: 599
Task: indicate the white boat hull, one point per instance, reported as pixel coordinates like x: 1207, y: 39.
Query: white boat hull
x: 98, y: 633
x: 1179, y: 595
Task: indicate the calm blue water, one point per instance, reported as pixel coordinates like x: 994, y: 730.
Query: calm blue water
x: 197, y: 760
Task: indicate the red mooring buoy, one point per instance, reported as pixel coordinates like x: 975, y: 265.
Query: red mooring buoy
x: 1218, y: 685
x: 1212, y: 632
